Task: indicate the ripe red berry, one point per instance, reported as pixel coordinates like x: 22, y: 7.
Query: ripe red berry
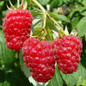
x: 40, y: 56
x: 69, y: 49
x: 16, y: 27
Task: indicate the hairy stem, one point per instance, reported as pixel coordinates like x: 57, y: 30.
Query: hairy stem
x: 54, y: 21
x: 17, y: 3
x: 45, y: 14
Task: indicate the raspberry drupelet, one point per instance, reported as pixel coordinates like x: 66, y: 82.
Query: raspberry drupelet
x: 16, y: 27
x: 40, y: 57
x: 69, y: 49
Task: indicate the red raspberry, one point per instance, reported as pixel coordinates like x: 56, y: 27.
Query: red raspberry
x: 69, y: 49
x: 16, y: 27
x: 40, y: 56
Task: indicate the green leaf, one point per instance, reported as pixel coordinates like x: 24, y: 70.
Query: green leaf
x: 5, y: 83
x: 66, y: 1
x: 60, y: 2
x: 6, y: 55
x: 80, y: 82
x: 44, y: 2
x: 16, y: 77
x: 36, y: 23
x: 23, y: 66
x: 37, y: 31
x: 49, y: 35
x: 83, y: 11
x: 55, y: 3
x: 1, y: 4
x: 0, y: 26
x: 82, y: 27
x: 4, y: 12
x: 51, y: 25
x: 62, y: 17
x: 28, y: 1
x: 57, y: 17
x: 72, y: 12
x: 75, y: 22
x: 56, y: 80
x: 37, y: 15
x: 72, y: 79
x: 36, y: 12
x: 53, y: 15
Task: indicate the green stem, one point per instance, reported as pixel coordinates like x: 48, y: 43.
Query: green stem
x: 54, y: 21
x: 38, y: 4
x: 60, y: 28
x: 44, y: 16
x: 44, y: 13
x: 17, y: 3
x: 44, y: 20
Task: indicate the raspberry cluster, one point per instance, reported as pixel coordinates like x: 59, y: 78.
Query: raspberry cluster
x: 40, y: 57
x: 16, y: 27
x: 69, y: 49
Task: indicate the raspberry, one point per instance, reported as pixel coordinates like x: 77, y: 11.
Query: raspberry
x: 16, y: 27
x: 69, y: 49
x: 40, y: 57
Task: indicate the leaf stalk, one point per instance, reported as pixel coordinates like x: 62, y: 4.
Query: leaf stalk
x: 45, y: 14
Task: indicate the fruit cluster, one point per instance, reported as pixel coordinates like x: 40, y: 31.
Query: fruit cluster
x: 41, y: 56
